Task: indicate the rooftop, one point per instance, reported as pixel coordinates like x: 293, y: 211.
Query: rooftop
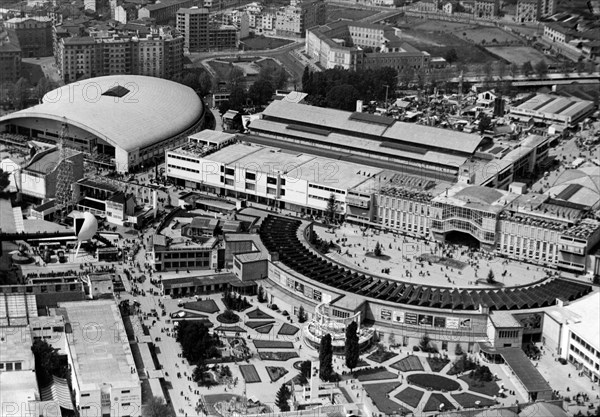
x: 107, y: 358
x: 556, y: 105
x: 15, y: 346
x: 476, y: 197
x: 504, y: 319
x: 47, y: 161
x: 589, y: 308
x: 152, y: 110
x: 18, y: 387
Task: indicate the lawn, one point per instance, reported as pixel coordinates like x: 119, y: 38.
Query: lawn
x: 410, y: 396
x: 489, y: 388
x: 205, y: 306
x: 272, y: 344
x: 410, y: 363
x: 487, y: 35
x: 434, y: 382
x: 262, y: 43
x: 437, y: 364
x: 336, y: 12
x: 379, y: 394
x: 288, y: 330
x: 256, y: 324
x: 381, y: 357
x: 433, y: 404
x: 249, y: 373
x: 276, y: 372
x: 467, y: 400
x: 258, y: 314
x: 231, y: 329
x: 374, y: 374
x: 264, y: 329
x: 278, y: 356
x: 519, y: 54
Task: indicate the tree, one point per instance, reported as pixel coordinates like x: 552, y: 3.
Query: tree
x: 451, y: 56
x: 235, y: 76
x: 342, y: 97
x: 377, y: 251
x: 156, y: 407
x: 4, y: 179
x: 407, y: 75
x: 527, y: 68
x: 326, y: 358
x: 331, y: 209
x: 352, y: 347
x: 282, y: 398
x: 301, y: 314
x: 580, y: 66
x: 43, y: 86
x: 424, y: 343
x: 261, y: 91
x: 485, y: 123
x: 458, y: 350
x: 198, y: 375
x: 501, y: 69
x: 541, y: 68
x: 18, y: 93
x: 261, y: 294
x: 514, y: 70
x: 490, y: 277
x: 48, y: 362
x: 204, y: 83
x: 306, y: 369
x: 306, y: 80
x: 237, y: 98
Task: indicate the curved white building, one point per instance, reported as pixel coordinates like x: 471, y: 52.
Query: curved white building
x: 122, y: 120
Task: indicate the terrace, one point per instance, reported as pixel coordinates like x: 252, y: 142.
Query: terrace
x: 280, y: 235
x: 583, y: 230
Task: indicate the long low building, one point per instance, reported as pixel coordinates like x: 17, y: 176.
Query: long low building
x: 564, y: 111
x: 103, y: 373
x: 121, y: 121
x: 428, y: 148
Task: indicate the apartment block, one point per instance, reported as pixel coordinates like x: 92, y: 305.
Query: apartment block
x: 10, y: 57
x: 293, y: 20
x: 158, y: 53
x: 34, y: 33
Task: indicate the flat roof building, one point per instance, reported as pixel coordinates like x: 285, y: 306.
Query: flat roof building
x: 103, y: 372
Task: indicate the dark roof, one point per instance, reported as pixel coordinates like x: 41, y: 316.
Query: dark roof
x: 46, y: 206
x: 279, y: 234
x: 528, y: 374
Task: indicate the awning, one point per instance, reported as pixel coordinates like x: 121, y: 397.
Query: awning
x: 58, y: 391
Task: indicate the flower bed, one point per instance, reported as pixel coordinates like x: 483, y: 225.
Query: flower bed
x: 433, y: 382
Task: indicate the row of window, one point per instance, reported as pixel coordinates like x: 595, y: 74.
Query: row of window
x: 331, y: 190
x: 585, y: 357
x: 195, y: 171
x: 583, y: 343
x: 10, y: 366
x: 508, y: 334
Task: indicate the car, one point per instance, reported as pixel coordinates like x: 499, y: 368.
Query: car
x: 563, y: 361
x: 285, y: 313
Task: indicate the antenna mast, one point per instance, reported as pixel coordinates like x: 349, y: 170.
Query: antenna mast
x: 64, y: 178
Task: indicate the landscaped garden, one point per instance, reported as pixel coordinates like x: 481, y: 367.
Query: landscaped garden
x: 278, y: 356
x: 264, y: 329
x: 273, y: 344
x: 235, y: 303
x: 205, y: 306
x: 249, y: 373
x: 434, y: 402
x: 467, y: 400
x: 228, y: 317
x: 288, y: 330
x: 410, y: 396
x: 381, y: 355
x: 433, y: 382
x: 437, y: 363
x: 480, y: 380
x: 374, y: 374
x: 275, y: 372
x: 408, y: 364
x: 379, y: 394
x: 258, y: 314
x: 257, y: 324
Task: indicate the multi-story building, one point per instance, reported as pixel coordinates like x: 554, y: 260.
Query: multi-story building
x: 34, y: 33
x: 165, y: 11
x: 486, y: 9
x: 103, y: 373
x: 111, y: 52
x: 10, y: 57
x: 293, y: 20
x: 547, y: 8
x: 200, y: 34
x: 355, y: 46
x: 193, y: 24
x: 558, y: 32
x: 528, y: 11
